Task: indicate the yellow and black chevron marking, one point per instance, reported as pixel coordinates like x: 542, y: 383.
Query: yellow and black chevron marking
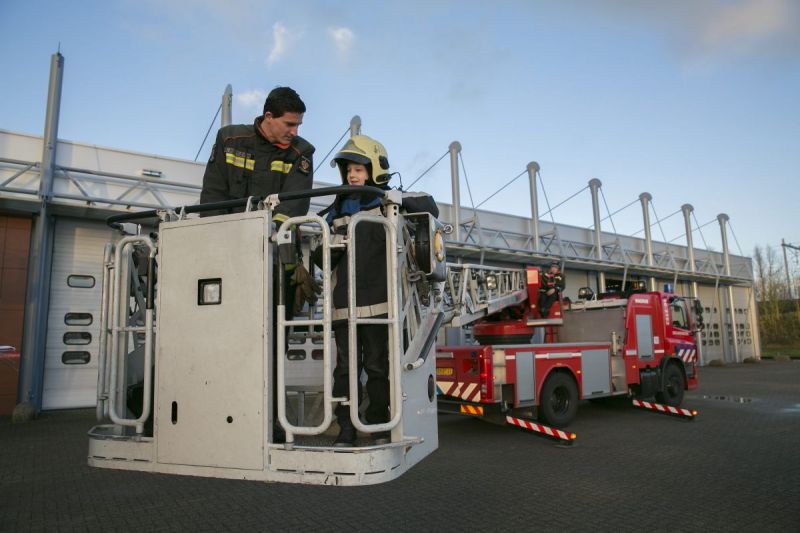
x: 475, y: 410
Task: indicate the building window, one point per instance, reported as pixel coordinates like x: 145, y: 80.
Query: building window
x: 77, y: 337
x: 80, y: 281
x: 296, y: 355
x: 75, y: 358
x: 78, y: 319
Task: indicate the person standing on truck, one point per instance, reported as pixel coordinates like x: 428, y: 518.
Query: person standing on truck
x: 551, y: 288
x: 260, y: 159
x: 363, y: 161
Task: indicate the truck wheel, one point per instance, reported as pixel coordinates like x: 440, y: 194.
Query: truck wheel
x: 672, y: 392
x: 559, y: 402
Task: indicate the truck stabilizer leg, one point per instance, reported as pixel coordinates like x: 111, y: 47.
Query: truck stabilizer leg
x: 666, y: 409
x: 546, y: 431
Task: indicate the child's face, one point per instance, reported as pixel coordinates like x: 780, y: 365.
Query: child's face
x: 357, y: 174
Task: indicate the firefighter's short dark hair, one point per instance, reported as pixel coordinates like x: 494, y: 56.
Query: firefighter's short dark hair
x: 282, y: 100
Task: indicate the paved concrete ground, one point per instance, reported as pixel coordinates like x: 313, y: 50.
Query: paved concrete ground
x: 736, y: 468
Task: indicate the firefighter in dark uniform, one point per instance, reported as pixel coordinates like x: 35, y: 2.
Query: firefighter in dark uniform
x: 264, y: 158
x: 363, y: 161
x: 267, y: 157
x: 551, y: 288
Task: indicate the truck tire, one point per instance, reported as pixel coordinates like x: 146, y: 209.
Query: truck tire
x: 559, y: 403
x: 671, y: 392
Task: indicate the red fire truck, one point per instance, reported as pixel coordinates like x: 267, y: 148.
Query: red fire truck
x: 641, y: 345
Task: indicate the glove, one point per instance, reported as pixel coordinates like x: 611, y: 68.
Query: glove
x: 306, y: 288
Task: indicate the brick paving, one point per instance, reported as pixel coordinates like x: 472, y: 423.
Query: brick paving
x: 735, y: 468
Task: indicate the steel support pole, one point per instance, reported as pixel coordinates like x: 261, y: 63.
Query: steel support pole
x: 786, y: 269
x: 355, y: 125
x: 687, y: 210
x: 594, y: 187
x: 533, y: 169
x: 455, y: 149
x: 726, y: 259
x: 645, y: 198
x: 37, y: 297
x: 227, y: 107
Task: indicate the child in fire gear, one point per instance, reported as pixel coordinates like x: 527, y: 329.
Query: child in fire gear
x: 551, y: 289
x: 363, y: 161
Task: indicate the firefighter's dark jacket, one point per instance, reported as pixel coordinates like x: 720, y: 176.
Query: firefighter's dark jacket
x: 243, y: 163
x: 552, y: 281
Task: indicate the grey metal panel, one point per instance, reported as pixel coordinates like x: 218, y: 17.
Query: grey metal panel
x: 595, y: 372
x: 77, y: 251
x: 525, y: 388
x: 644, y: 336
x: 593, y: 325
x: 211, y: 358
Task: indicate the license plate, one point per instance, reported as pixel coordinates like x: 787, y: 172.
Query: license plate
x: 444, y: 371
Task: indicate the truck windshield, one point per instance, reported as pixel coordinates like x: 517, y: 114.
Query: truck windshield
x: 679, y: 317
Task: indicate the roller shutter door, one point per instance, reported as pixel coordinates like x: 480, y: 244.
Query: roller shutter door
x: 70, y: 376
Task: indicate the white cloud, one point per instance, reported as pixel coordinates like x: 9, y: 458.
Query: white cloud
x: 711, y: 31
x: 251, y: 100
x: 281, y: 40
x: 343, y: 39
x: 747, y: 23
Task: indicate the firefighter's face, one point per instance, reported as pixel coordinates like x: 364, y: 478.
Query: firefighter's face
x: 357, y: 174
x: 282, y: 129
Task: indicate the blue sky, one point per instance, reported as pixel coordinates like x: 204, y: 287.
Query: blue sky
x: 694, y: 101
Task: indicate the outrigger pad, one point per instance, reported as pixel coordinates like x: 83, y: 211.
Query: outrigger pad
x: 547, y: 431
x: 666, y: 409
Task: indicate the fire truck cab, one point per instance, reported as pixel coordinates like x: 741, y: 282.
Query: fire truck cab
x: 642, y: 345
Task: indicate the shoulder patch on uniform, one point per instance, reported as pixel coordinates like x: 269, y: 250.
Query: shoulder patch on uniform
x: 304, y: 164
x: 213, y: 154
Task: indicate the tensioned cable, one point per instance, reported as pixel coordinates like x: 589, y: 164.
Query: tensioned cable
x: 544, y: 192
x: 501, y: 188
x: 695, y: 229
x: 735, y: 239
x: 476, y: 221
x: 615, y: 212
x: 567, y: 200
x: 209, y: 131
x: 607, y: 210
x: 658, y: 221
x: 703, y: 238
x: 699, y: 228
x: 331, y: 150
x: 428, y: 169
x: 466, y: 180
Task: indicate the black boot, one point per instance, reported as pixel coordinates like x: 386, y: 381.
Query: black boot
x: 347, y: 435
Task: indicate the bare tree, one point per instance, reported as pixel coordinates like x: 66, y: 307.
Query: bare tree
x: 779, y: 316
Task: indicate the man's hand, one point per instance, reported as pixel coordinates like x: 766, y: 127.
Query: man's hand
x: 306, y: 288
x: 550, y: 291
